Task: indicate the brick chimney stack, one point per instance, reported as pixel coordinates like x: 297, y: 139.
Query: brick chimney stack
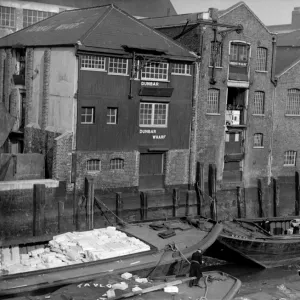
x: 296, y: 18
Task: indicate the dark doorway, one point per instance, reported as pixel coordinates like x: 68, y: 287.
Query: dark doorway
x: 233, y: 157
x: 151, y: 171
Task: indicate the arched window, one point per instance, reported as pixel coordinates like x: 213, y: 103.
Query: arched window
x: 93, y: 165
x: 261, y: 59
x: 259, y: 103
x: 258, y: 140
x: 117, y: 164
x: 290, y: 158
x: 293, y: 102
x: 213, y: 99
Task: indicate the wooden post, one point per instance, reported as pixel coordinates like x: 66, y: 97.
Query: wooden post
x: 200, y: 186
x: 176, y: 199
x: 61, y: 210
x: 297, y: 187
x: 144, y: 205
x: 89, y: 190
x: 38, y: 209
x: 238, y: 200
x: 260, y: 198
x: 212, y: 183
x: 188, y: 208
x: 275, y: 196
x: 119, y: 207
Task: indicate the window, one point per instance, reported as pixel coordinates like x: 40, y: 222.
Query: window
x: 239, y: 53
x: 259, y: 103
x: 290, y: 158
x: 90, y: 62
x: 32, y: 16
x: 213, y: 96
x: 112, y: 115
x: 261, y: 59
x: 293, y: 102
x: 153, y: 114
x: 155, y: 71
x: 93, y: 165
x: 258, y: 140
x: 117, y: 164
x: 217, y: 56
x: 181, y: 69
x: 7, y: 16
x: 117, y: 66
x: 87, y: 115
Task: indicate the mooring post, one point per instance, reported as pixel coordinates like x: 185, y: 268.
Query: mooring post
x: 212, y: 183
x: 176, y: 199
x: 119, y: 207
x: 39, y: 191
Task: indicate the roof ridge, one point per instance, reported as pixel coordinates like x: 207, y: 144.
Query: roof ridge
x: 178, y: 15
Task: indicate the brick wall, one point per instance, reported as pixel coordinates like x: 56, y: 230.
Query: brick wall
x: 107, y: 179
x: 177, y: 167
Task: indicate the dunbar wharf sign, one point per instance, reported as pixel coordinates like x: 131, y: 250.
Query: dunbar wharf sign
x: 153, y: 132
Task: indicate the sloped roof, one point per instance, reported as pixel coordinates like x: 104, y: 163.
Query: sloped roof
x: 286, y: 57
x: 104, y: 28
x: 143, y: 8
x: 284, y: 28
x: 289, y: 39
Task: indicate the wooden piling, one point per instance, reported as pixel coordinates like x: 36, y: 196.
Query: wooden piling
x: 176, y: 199
x: 260, y: 198
x: 188, y: 204
x: 212, y: 184
x: 144, y: 205
x: 39, y: 191
x: 89, y: 194
x: 119, y: 207
x: 297, y: 200
x: 61, y: 210
x: 276, y: 192
x: 200, y: 186
x: 238, y: 201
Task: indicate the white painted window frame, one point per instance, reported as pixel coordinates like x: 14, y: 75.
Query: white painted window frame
x: 153, y: 104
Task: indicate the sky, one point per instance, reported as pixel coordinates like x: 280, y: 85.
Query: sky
x: 270, y: 12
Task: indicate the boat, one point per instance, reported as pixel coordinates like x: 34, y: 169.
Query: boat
x: 214, y: 285
x: 169, y: 244
x: 243, y: 240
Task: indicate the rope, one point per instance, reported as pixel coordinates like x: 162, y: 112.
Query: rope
x: 175, y: 248
x: 159, y: 261
x: 206, y: 290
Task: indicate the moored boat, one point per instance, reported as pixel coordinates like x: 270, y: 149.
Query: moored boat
x: 243, y: 239
x: 214, y: 285
x: 165, y: 254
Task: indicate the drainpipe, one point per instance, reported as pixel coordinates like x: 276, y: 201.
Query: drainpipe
x: 193, y: 137
x: 212, y: 79
x: 273, y: 78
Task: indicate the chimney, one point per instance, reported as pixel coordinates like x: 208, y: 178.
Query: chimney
x: 213, y: 13
x: 296, y: 18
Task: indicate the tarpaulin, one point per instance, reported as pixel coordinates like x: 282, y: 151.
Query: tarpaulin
x: 6, y: 123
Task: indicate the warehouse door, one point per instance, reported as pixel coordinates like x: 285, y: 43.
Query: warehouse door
x: 151, y: 170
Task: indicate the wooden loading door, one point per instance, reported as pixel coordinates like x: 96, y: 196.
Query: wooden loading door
x: 151, y: 171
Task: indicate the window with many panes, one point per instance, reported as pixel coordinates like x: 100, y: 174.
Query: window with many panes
x: 117, y: 164
x: 93, y: 165
x: 258, y: 140
x: 213, y: 99
x: 157, y: 71
x: 87, y: 115
x: 112, y: 115
x: 181, y: 69
x: 261, y: 59
x: 118, y: 66
x: 215, y: 54
x: 293, y: 102
x: 153, y: 114
x: 239, y: 53
x: 259, y: 103
x: 290, y: 158
x: 32, y: 16
x: 7, y: 16
x: 92, y: 62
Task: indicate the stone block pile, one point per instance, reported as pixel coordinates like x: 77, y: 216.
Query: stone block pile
x: 71, y: 248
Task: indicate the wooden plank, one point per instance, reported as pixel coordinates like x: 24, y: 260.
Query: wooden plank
x: 38, y: 209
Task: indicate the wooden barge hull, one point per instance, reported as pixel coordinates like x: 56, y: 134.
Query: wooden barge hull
x: 268, y: 252
x: 164, y: 261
